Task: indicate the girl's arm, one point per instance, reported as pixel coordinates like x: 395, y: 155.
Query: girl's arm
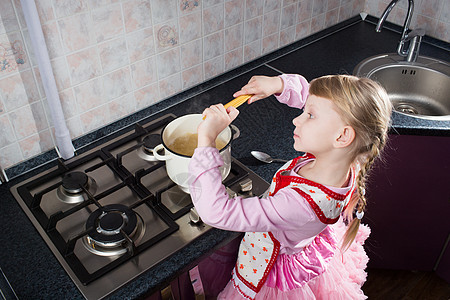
x: 295, y: 92
x: 284, y: 211
x: 290, y: 89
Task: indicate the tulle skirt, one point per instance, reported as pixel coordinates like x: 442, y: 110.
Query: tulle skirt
x: 321, y: 271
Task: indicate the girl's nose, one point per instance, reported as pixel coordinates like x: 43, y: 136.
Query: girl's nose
x: 296, y: 121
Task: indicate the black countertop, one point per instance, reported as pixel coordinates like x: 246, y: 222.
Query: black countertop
x: 34, y: 272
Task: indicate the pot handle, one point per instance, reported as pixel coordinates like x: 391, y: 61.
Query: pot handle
x: 236, y: 130
x: 159, y: 156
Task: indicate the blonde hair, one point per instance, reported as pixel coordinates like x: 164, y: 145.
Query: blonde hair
x: 364, y: 105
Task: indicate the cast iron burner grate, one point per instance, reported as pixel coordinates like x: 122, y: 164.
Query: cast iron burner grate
x: 67, y: 248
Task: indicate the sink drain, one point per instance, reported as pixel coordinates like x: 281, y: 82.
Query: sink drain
x: 407, y: 109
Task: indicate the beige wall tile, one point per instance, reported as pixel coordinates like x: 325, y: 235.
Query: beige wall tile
x: 213, y: 67
x: 234, y: 13
x: 36, y: 144
x: 252, y: 50
x: 77, y: 32
x: 45, y: 10
x: 64, y: 8
x: 192, y: 76
x: 122, y: 106
x: 166, y: 35
x: 270, y: 5
x: 331, y: 17
x: 303, y: 29
x: 191, y: 54
x: 288, y: 16
x: 23, y: 122
x: 190, y: 27
x: 234, y: 37
x: 147, y: 96
x: 168, y: 63
x: 85, y: 64
x: 270, y: 43
x: 141, y: 44
x: 253, y: 8
x: 13, y: 56
x: 52, y: 39
x: 271, y: 23
x: 317, y: 23
x: 74, y: 126
x: 186, y: 7
x: 252, y: 30
x: 2, y: 106
x: 107, y: 22
x: 117, y: 83
x: 8, y: 20
x: 170, y: 86
x: 113, y: 54
x: 10, y: 155
x: 18, y: 90
x: 69, y: 103
x: 213, y: 19
x: 234, y: 58
x: 90, y: 95
x: 95, y: 118
x: 213, y: 45
x: 6, y: 134
x: 163, y: 10
x: 61, y: 73
x: 144, y: 72
x: 137, y: 14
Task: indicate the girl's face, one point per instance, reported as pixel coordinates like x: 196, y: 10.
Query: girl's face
x: 318, y: 127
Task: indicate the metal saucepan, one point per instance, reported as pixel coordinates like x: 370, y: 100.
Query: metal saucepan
x: 177, y: 163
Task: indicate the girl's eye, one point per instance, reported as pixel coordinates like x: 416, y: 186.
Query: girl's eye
x: 310, y: 116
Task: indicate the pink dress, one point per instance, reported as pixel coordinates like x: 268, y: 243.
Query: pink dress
x: 307, y: 261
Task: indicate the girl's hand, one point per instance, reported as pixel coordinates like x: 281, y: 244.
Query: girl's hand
x: 261, y: 87
x: 217, y: 118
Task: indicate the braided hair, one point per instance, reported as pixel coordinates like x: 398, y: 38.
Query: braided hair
x: 364, y: 105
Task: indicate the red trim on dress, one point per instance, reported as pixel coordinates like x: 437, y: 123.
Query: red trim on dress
x: 282, y: 181
x: 273, y: 258
x: 316, y: 208
x: 236, y: 286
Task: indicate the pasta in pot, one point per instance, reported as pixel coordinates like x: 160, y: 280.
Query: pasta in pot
x: 186, y: 144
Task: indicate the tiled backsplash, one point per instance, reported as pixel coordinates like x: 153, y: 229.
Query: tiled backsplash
x: 111, y: 58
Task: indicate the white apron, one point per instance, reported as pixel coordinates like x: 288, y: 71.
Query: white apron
x: 258, y: 251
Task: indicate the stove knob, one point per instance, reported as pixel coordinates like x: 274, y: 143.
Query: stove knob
x: 231, y: 193
x: 246, y: 185
x: 194, y: 217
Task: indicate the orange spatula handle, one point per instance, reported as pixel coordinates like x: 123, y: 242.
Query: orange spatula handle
x: 236, y: 102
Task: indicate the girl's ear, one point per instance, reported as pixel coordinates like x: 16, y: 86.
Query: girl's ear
x: 346, y: 137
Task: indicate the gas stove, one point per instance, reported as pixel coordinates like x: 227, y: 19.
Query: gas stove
x: 112, y: 213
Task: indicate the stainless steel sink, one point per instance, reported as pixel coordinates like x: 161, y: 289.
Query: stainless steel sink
x: 420, y: 89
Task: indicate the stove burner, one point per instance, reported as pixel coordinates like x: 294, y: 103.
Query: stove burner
x: 71, y: 189
x: 148, y: 143
x: 112, y: 222
x: 73, y: 182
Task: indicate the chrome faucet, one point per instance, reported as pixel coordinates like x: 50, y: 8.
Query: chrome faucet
x: 414, y: 37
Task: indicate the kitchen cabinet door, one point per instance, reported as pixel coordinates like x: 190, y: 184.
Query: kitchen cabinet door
x: 409, y: 203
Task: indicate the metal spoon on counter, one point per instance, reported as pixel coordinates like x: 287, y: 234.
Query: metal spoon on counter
x: 264, y: 157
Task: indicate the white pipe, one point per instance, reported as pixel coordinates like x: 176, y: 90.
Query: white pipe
x: 62, y: 135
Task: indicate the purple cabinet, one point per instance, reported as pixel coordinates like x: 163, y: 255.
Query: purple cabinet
x: 409, y: 204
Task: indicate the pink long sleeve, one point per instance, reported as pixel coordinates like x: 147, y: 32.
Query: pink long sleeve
x: 217, y: 209
x: 295, y: 91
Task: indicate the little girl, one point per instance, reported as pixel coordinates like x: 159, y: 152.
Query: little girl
x: 296, y: 245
